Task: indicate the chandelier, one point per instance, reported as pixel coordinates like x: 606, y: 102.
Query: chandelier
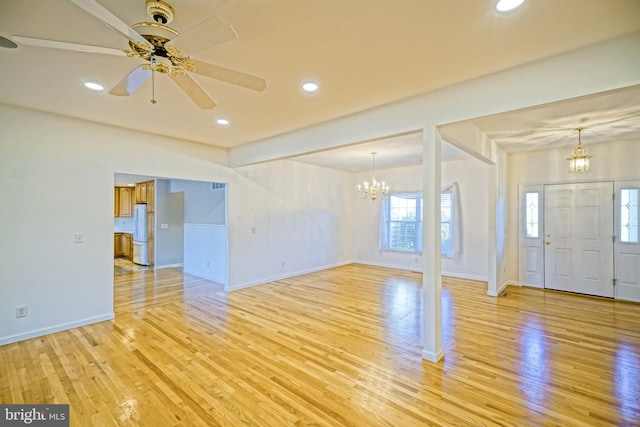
x: 372, y: 189
x: 579, y: 160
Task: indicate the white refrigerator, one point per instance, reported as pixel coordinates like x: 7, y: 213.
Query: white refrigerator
x: 140, y: 242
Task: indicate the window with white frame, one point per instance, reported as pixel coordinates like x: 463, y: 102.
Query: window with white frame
x: 401, y: 223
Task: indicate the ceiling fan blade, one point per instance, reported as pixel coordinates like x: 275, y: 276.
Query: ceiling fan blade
x: 67, y: 46
x: 230, y: 76
x: 97, y: 10
x: 194, y: 91
x: 208, y: 33
x: 131, y: 82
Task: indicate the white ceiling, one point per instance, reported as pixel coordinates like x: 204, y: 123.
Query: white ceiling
x: 363, y: 54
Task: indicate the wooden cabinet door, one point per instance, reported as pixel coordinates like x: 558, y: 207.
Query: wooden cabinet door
x: 116, y: 202
x: 141, y: 192
x: 126, y: 201
x: 151, y: 227
x: 127, y: 247
x: 151, y: 196
x: 150, y: 250
x: 117, y: 244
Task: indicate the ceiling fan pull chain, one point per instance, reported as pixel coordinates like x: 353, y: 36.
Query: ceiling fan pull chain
x: 153, y: 81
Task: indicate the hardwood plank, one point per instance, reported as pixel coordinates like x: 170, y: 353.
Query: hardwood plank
x: 335, y: 347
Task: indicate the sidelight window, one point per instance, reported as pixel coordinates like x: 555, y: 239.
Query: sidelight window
x: 629, y: 215
x: 532, y: 214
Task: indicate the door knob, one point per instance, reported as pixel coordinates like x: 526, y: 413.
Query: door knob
x: 548, y: 242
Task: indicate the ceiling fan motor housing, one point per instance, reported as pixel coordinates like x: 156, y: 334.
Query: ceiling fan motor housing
x: 159, y: 11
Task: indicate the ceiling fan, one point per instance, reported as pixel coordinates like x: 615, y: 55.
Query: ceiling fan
x: 161, y: 47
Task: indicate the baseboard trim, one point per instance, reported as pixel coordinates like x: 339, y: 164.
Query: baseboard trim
x: 160, y: 267
x: 431, y: 356
x: 286, y: 276
x: 502, y: 288
x: 53, y: 329
x: 417, y: 267
x: 220, y: 280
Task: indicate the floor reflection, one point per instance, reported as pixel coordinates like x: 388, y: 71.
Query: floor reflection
x: 402, y: 310
x: 627, y: 381
x: 536, y: 362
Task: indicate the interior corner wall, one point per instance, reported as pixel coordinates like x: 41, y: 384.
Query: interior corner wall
x: 471, y: 176
x: 612, y: 161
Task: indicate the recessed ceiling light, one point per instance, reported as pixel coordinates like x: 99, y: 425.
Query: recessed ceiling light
x: 93, y: 86
x: 507, y: 5
x: 222, y: 121
x: 310, y: 86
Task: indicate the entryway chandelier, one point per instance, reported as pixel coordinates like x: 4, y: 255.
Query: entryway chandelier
x: 373, y: 189
x: 579, y: 160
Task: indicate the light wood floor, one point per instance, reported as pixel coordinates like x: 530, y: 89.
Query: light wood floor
x: 336, y: 347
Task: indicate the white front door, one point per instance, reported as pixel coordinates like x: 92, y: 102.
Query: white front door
x: 579, y: 238
x: 627, y: 246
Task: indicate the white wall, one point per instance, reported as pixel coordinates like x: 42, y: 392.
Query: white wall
x: 205, y: 252
x: 202, y: 204
x: 169, y: 241
x: 471, y: 176
x: 57, y: 177
x: 289, y: 218
x: 472, y: 179
x: 612, y: 161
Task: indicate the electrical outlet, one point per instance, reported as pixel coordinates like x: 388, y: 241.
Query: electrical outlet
x: 78, y: 237
x: 22, y: 311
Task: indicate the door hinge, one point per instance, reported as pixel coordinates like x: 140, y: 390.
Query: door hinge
x: 614, y: 281
x: 614, y: 238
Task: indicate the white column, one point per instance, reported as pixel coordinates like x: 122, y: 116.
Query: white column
x: 431, y: 281
x: 497, y: 205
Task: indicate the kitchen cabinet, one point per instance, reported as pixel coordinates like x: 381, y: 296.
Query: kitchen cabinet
x: 145, y: 193
x: 141, y: 192
x: 151, y: 196
x: 123, y: 245
x: 117, y: 245
x: 127, y: 245
x: 126, y: 201
x: 151, y: 226
x: 123, y: 202
x: 116, y: 202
